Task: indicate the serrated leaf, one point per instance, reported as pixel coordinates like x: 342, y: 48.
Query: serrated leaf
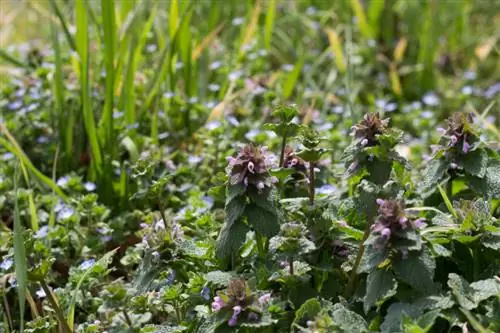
x: 491, y: 240
x: 417, y: 270
x: 474, y: 163
x: 233, y: 191
x: 349, y: 321
x: 463, y: 293
x: 263, y: 221
x: 307, y: 311
x: 392, y: 321
x: 380, y: 285
x: 485, y: 289
x: 433, y: 174
x: 234, y: 209
x: 231, y: 237
x: 372, y: 257
x: 219, y: 278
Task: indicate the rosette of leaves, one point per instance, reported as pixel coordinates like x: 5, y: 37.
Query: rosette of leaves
x: 285, y: 128
x: 460, y: 154
x: 250, y: 197
x: 311, y: 152
x: 371, y: 154
x: 239, y: 306
x: 291, y: 243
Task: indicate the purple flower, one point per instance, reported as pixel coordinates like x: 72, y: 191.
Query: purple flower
x: 252, y: 316
x: 380, y: 202
x: 454, y: 140
x: 217, y: 304
x: 205, y: 293
x: 264, y: 298
x: 402, y: 221
x: 386, y: 232
x: 420, y: 223
x: 232, y: 322
x: 364, y: 142
x: 466, y: 147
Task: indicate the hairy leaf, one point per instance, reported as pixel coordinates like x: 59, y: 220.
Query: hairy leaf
x: 380, y: 285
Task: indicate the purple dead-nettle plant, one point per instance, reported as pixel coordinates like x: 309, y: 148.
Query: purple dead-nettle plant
x: 250, y: 199
x: 366, y: 130
x: 251, y: 167
x: 240, y: 304
x: 394, y: 228
x: 459, y: 135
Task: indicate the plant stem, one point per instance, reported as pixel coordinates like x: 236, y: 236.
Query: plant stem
x: 476, y: 263
x: 311, y: 183
x: 282, y: 154
x: 127, y: 319
x: 178, y: 313
x: 291, y: 265
x: 258, y: 240
x: 352, y: 281
x: 449, y: 188
x: 53, y: 302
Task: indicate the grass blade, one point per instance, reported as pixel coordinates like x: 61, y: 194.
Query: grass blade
x: 251, y: 28
x: 359, y: 12
x: 69, y: 37
x: 292, y: 79
x: 7, y: 57
x: 109, y: 27
x: 336, y: 46
x: 447, y: 201
x: 11, y: 145
x: 206, y: 42
x: 173, y: 18
x: 82, y: 42
x: 21, y: 265
x: 268, y: 29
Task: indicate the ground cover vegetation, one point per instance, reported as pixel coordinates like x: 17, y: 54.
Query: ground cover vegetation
x: 249, y: 166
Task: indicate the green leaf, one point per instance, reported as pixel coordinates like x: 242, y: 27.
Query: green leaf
x: 20, y: 261
x: 292, y: 79
x: 220, y: 278
x: 285, y: 113
x: 307, y: 311
x: 463, y: 293
x: 474, y: 163
x: 372, y: 257
x: 234, y: 209
x: 485, y: 289
x: 263, y: 221
x: 380, y: 285
x: 433, y: 174
x: 417, y: 270
x: 231, y: 237
x: 392, y: 321
x: 491, y: 239
x: 232, y: 191
x: 349, y: 321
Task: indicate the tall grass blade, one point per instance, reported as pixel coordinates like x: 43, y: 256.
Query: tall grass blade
x: 206, y: 42
x: 109, y: 27
x: 82, y: 42
x: 292, y: 79
x: 375, y: 9
x: 11, y: 145
x: 21, y: 265
x: 64, y: 25
x: 268, y: 29
x: 447, y: 201
x: 7, y: 57
x: 251, y: 28
x: 173, y: 18
x: 336, y: 46
x: 359, y: 12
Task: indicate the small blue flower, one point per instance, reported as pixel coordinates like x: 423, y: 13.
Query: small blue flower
x: 238, y: 21
x: 215, y: 65
x: 42, y: 232
x: 41, y: 293
x: 89, y: 186
x: 65, y: 213
x: 431, y: 99
x: 6, y: 264
x: 63, y: 181
x: 7, y: 156
x: 87, y: 264
x: 171, y: 277
x: 205, y: 293
x: 213, y: 125
x: 233, y: 76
